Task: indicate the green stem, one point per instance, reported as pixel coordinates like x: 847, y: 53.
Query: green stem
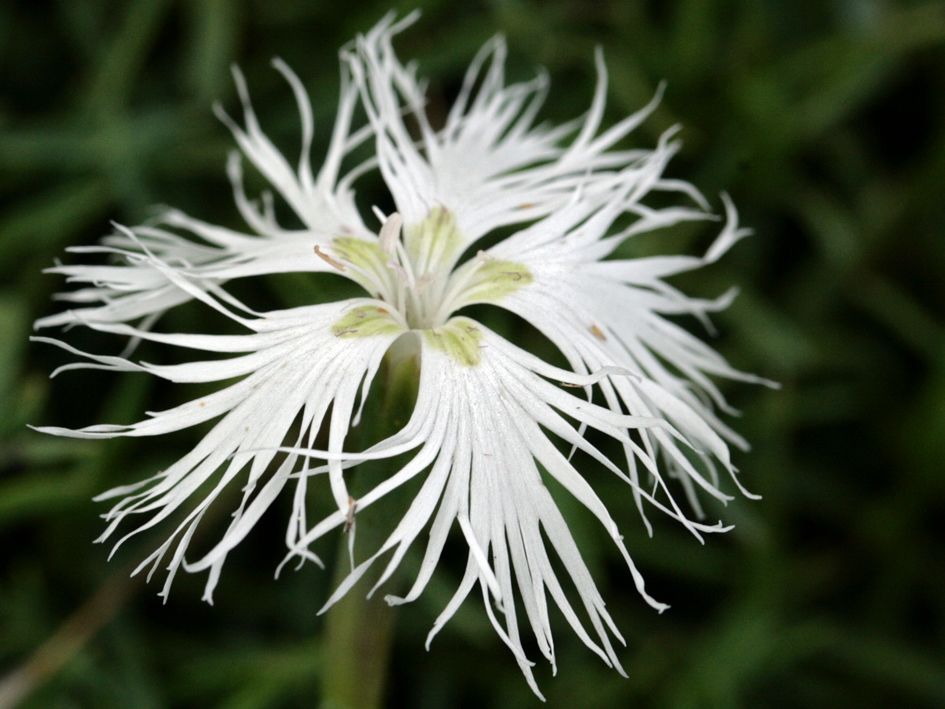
x: 359, y: 631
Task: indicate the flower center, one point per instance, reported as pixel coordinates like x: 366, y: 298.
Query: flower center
x: 413, y: 269
x: 420, y: 260
x: 407, y: 267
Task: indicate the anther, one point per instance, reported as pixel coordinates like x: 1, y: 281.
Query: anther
x: 390, y: 232
x: 330, y: 260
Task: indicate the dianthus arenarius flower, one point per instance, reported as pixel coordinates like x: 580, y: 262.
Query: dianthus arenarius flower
x: 490, y: 419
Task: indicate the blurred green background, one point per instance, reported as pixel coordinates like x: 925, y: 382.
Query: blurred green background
x: 826, y: 123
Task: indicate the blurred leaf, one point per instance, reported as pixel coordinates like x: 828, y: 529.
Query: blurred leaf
x: 115, y: 75
x: 43, y: 224
x: 13, y: 322
x: 214, y: 24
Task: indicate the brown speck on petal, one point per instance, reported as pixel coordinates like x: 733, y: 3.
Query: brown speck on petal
x: 349, y: 520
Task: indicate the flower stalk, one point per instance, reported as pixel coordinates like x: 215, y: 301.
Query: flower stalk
x: 359, y: 631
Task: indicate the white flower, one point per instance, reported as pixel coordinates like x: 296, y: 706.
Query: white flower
x: 490, y: 418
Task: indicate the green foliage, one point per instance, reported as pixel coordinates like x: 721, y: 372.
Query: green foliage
x: 827, y: 126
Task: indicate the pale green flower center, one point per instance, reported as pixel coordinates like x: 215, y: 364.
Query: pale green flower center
x: 414, y: 271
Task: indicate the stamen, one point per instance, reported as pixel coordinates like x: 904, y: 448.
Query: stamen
x: 330, y: 260
x: 457, y: 284
x: 390, y: 233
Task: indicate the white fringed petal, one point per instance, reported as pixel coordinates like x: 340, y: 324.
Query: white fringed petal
x: 129, y: 289
x: 490, y: 165
x: 488, y: 454
x: 293, y: 367
x: 613, y: 313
